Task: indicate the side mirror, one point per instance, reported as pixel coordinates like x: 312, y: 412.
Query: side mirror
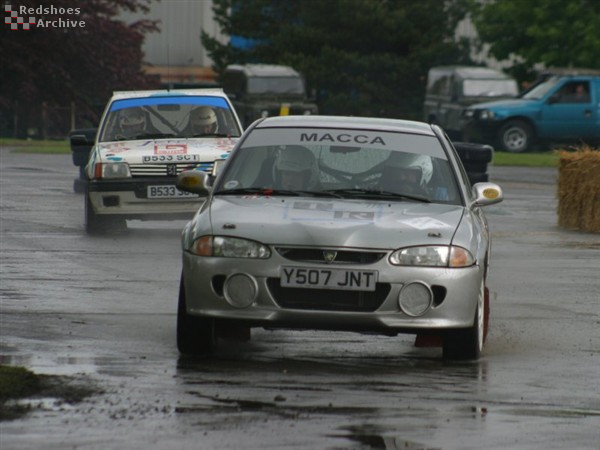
x: 82, y: 141
x: 554, y: 98
x: 194, y: 181
x: 487, y: 194
x: 79, y: 140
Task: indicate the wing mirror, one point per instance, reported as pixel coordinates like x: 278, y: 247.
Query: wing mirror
x: 194, y: 181
x: 487, y: 194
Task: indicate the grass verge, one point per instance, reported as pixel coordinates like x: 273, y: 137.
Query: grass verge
x: 18, y: 383
x: 35, y: 146
x: 543, y: 159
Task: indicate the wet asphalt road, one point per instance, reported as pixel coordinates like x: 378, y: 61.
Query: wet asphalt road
x: 103, y: 310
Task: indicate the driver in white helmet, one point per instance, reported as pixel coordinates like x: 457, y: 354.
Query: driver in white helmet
x: 295, y: 168
x: 203, y: 121
x: 406, y: 173
x: 132, y: 123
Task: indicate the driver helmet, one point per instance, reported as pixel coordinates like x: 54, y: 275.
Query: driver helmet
x: 403, y: 160
x: 204, y: 120
x: 297, y: 159
x: 132, y: 121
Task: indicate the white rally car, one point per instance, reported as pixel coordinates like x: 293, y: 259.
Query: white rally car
x: 145, y: 139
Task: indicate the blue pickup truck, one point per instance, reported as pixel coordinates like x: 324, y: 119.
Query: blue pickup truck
x: 562, y: 107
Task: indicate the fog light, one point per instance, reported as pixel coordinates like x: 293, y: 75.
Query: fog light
x: 415, y: 299
x: 240, y: 290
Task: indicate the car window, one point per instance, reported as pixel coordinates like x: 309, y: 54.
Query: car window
x: 335, y: 160
x: 540, y: 90
x: 167, y: 116
x: 574, y: 92
x: 275, y: 85
x: 490, y: 88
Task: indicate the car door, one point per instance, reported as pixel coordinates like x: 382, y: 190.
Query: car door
x: 569, y: 112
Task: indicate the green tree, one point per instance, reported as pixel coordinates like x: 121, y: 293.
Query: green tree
x: 58, y: 66
x: 363, y: 57
x: 556, y: 33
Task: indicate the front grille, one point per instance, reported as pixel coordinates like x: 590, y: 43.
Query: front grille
x: 328, y: 299
x: 317, y: 255
x: 162, y: 170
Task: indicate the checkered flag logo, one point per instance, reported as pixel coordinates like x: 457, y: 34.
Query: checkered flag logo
x: 14, y: 20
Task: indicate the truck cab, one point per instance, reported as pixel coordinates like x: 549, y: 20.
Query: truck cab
x: 264, y: 90
x: 562, y: 107
x: 450, y: 89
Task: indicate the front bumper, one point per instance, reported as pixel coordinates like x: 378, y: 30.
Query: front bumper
x: 456, y: 291
x: 129, y: 199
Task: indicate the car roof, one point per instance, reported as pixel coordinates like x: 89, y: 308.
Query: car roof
x: 215, y: 92
x: 471, y: 72
x: 370, y: 123
x: 562, y: 71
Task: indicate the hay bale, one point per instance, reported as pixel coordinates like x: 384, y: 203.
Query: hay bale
x: 579, y: 189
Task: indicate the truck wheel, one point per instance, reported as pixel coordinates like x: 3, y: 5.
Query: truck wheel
x: 516, y: 136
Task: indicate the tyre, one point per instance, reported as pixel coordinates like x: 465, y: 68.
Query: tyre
x: 95, y: 224
x: 478, y: 177
x: 516, y: 136
x: 196, y: 336
x: 475, y: 166
x: 467, y: 344
x: 80, y: 184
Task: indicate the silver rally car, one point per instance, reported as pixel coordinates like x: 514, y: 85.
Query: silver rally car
x: 144, y: 140
x: 337, y: 223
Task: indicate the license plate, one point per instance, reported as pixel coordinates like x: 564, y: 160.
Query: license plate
x: 327, y: 278
x: 167, y: 191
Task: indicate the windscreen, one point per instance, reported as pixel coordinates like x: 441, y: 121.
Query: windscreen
x: 343, y: 162
x: 275, y: 85
x: 490, y: 88
x: 173, y: 116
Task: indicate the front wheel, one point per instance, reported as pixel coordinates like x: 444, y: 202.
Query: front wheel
x: 516, y: 136
x: 196, y: 336
x: 467, y: 344
x: 98, y: 224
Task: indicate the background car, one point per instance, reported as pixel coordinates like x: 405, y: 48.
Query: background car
x: 144, y: 140
x: 337, y: 223
x: 562, y: 107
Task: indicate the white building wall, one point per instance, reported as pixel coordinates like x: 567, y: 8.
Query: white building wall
x: 178, y: 42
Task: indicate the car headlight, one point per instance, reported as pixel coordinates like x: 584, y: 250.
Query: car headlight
x: 468, y: 113
x: 433, y: 256
x: 112, y: 170
x: 229, y: 247
x: 486, y: 114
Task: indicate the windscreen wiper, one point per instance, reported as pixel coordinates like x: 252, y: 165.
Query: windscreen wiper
x: 262, y: 191
x: 377, y: 194
x: 210, y: 135
x: 155, y: 136
x: 270, y: 191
